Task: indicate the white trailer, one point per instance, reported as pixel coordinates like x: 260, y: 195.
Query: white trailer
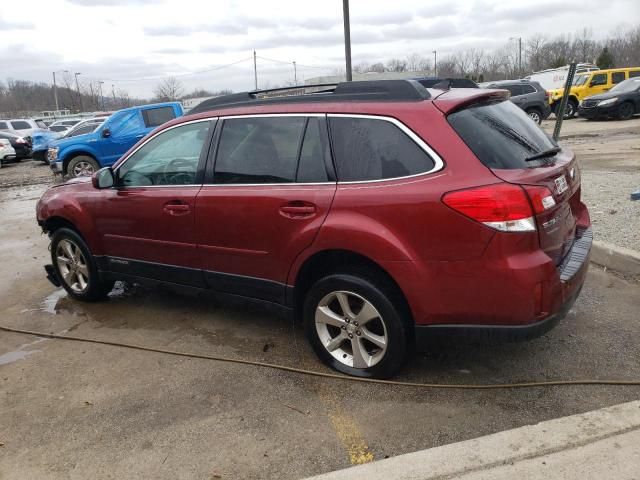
x: 557, y: 77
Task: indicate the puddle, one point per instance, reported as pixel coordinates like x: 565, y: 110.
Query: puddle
x: 20, y: 353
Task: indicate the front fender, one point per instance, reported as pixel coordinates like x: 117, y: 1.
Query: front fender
x: 68, y: 153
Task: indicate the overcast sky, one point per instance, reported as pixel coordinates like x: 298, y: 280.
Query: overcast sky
x: 132, y: 43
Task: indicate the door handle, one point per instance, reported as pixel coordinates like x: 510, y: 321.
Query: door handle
x: 177, y: 208
x: 297, y: 210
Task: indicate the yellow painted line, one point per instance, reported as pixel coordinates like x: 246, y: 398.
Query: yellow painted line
x: 346, y: 429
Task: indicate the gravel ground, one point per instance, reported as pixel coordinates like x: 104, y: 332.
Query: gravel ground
x: 609, y: 156
x: 26, y: 172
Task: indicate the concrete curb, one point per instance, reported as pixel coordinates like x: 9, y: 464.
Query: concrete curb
x: 503, y: 448
x: 620, y: 259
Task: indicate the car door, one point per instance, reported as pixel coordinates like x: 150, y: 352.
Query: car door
x: 146, y: 221
x: 599, y: 83
x: 263, y: 202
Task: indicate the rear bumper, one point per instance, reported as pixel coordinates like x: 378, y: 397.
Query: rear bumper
x: 572, y: 273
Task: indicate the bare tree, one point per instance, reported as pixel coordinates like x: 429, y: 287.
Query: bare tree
x: 168, y: 90
x: 397, y: 65
x: 534, y: 54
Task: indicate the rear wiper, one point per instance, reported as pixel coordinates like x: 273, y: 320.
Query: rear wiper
x: 545, y: 153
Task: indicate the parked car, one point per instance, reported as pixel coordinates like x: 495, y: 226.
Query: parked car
x: 589, y: 84
x: 383, y: 214
x: 528, y: 95
x: 84, y: 154
x: 21, y: 145
x: 621, y: 102
x: 7, y: 153
x: 66, y: 123
x: 60, y: 128
x: 22, y: 126
x: 43, y: 139
x: 446, y: 83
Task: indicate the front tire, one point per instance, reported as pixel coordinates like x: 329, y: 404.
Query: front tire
x: 625, y: 111
x: 82, y: 166
x: 571, y: 110
x: 76, y: 268
x: 355, y: 327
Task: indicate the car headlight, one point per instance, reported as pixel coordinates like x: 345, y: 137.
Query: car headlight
x: 52, y: 154
x: 608, y: 101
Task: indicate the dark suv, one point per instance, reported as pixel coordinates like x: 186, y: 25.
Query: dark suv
x: 381, y: 213
x: 528, y: 95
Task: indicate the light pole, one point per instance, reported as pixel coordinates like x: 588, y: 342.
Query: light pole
x: 113, y: 92
x: 255, y: 70
x: 101, y: 96
x: 78, y: 88
x: 55, y: 87
x: 435, y: 63
x: 347, y: 38
x: 295, y: 73
x: 519, y: 54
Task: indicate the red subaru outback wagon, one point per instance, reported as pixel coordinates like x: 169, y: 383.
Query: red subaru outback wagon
x: 382, y: 213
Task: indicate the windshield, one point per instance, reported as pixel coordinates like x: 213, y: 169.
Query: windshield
x: 580, y: 80
x: 627, y: 86
x: 501, y: 135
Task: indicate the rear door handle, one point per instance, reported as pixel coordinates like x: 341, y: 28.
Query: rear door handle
x: 297, y: 210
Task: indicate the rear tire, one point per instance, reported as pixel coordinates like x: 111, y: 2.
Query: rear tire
x: 82, y: 166
x: 535, y: 115
x: 76, y: 268
x: 625, y: 111
x: 368, y: 337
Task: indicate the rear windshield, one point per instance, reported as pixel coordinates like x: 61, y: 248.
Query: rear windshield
x: 500, y: 134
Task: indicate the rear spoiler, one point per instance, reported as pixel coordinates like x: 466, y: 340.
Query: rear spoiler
x: 459, y: 99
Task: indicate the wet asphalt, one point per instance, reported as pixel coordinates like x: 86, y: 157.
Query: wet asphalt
x: 75, y: 410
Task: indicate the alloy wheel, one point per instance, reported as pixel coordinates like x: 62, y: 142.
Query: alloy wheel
x: 83, y: 169
x: 351, y: 329
x: 534, y: 116
x: 72, y: 266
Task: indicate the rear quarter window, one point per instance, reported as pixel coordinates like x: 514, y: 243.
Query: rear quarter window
x: 500, y: 134
x: 375, y: 149
x: 154, y: 117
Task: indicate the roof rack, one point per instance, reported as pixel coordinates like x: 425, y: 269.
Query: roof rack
x: 376, y: 90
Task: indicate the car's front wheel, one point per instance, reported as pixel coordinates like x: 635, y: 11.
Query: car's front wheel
x: 355, y: 325
x: 82, y: 166
x: 76, y: 268
x: 625, y: 111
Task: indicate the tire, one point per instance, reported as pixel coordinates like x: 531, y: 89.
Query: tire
x: 76, y: 268
x: 571, y: 110
x: 625, y: 111
x: 370, y: 299
x: 535, y: 115
x: 82, y: 165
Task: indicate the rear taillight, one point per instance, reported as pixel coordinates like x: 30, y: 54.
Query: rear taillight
x: 502, y: 206
x: 541, y: 198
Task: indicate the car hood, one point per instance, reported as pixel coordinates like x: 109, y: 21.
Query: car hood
x: 66, y: 142
x: 604, y: 96
x: 77, y: 182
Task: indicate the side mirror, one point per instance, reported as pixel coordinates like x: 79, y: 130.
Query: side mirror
x: 106, y: 133
x: 103, y: 178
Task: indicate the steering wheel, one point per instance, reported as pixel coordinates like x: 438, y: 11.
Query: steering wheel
x: 178, y: 171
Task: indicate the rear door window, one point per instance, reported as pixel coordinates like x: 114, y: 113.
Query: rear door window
x: 259, y: 150
x: 500, y: 134
x: 617, y: 77
x: 4, y: 126
x: 20, y: 125
x: 374, y: 149
x: 528, y: 89
x: 515, y: 90
x: 154, y: 117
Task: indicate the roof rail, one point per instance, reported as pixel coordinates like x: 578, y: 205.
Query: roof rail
x: 373, y: 91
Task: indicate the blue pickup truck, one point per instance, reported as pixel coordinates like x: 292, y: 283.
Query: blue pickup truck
x: 85, y: 154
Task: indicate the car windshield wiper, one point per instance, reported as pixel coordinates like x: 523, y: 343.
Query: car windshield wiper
x: 545, y: 153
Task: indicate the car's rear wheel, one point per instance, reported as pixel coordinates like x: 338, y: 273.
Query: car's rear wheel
x: 82, y: 166
x: 535, y: 115
x: 355, y: 327
x: 76, y: 267
x: 625, y: 111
